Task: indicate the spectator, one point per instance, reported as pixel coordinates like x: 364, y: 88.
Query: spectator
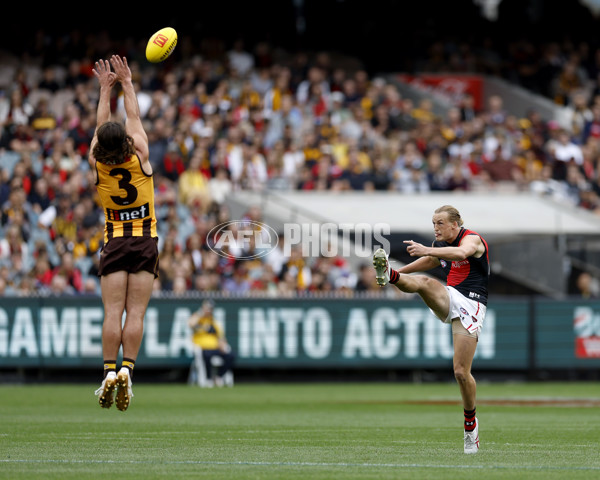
x: 580, y: 114
x: 42, y: 119
x: 40, y: 197
x: 42, y: 272
x: 254, y: 170
x: 295, y: 272
x: 238, y: 282
x: 15, y: 211
x: 210, y: 340
x: 588, y: 285
x: 59, y: 286
x: 566, y: 150
x: 13, y: 243
x: 69, y: 273
x: 193, y: 186
x: 49, y: 82
x: 239, y: 59
x: 570, y: 79
x: 285, y: 122
x: 172, y: 164
x: 15, y: 111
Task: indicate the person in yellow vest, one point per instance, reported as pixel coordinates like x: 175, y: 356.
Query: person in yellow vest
x: 129, y: 259
x: 210, y: 338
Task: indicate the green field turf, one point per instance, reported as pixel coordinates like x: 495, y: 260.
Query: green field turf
x: 300, y: 431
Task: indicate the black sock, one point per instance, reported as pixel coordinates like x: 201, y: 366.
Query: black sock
x: 394, y: 276
x: 470, y: 420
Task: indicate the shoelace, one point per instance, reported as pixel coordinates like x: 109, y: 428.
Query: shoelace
x: 470, y: 437
x: 101, y: 389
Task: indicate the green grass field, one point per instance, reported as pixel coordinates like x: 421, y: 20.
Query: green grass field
x: 300, y: 431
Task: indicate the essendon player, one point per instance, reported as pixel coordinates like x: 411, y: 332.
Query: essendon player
x: 129, y: 260
x: 464, y: 256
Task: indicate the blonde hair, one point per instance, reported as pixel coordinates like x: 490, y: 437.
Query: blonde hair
x: 453, y: 214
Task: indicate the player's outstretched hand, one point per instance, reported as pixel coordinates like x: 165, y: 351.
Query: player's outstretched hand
x: 102, y: 72
x: 121, y: 68
x: 415, y: 249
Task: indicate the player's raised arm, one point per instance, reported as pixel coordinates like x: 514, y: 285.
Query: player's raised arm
x: 107, y: 80
x: 133, y: 123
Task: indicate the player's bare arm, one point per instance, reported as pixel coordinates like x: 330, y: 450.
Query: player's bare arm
x: 133, y: 123
x: 471, y: 245
x: 422, y: 264
x: 107, y: 80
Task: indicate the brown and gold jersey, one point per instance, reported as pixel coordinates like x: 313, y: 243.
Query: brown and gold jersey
x: 127, y: 196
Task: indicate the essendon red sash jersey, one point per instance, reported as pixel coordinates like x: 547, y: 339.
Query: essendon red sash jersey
x: 470, y: 276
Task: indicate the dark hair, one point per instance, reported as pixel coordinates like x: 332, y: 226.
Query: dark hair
x: 114, y: 145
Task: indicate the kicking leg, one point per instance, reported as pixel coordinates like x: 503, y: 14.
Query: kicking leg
x: 433, y: 293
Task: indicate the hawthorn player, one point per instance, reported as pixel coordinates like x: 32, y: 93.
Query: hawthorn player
x: 129, y: 259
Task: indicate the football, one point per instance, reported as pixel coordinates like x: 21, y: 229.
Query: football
x: 161, y: 45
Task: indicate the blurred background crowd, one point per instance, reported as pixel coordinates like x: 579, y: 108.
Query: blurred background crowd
x: 222, y: 116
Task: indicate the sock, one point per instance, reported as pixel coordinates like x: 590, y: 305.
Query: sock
x: 394, y: 276
x: 470, y: 420
x: 109, y: 366
x: 129, y: 364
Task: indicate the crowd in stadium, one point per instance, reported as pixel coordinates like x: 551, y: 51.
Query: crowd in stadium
x: 254, y: 119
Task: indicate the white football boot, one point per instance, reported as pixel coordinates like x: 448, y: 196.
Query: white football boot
x: 106, y: 391
x: 472, y: 439
x: 382, y: 267
x: 124, y: 392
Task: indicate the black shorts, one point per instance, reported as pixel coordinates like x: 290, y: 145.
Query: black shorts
x: 131, y: 254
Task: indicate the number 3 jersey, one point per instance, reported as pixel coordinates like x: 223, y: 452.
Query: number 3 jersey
x: 469, y: 276
x: 127, y: 197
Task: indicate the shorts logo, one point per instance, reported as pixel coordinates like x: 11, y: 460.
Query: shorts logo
x: 128, y: 214
x: 463, y: 311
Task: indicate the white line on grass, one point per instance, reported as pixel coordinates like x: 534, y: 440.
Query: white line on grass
x: 304, y: 464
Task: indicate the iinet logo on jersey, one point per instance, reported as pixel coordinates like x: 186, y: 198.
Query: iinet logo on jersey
x: 587, y: 333
x: 128, y: 214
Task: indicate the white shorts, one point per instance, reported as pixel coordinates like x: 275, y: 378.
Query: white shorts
x: 470, y: 312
